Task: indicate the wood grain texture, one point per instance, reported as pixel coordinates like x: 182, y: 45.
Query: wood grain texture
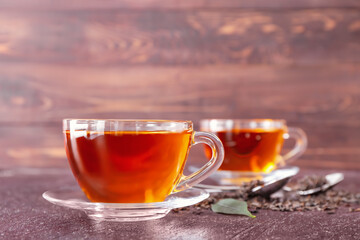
x: 48, y: 93
x: 172, y: 4
x: 295, y: 60
x: 35, y: 98
x: 32, y: 146
x: 168, y: 38
x: 43, y: 146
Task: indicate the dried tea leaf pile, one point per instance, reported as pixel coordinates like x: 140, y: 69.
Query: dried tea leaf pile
x: 308, y: 182
x: 327, y: 201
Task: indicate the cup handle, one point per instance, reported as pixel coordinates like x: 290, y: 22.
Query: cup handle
x: 212, y: 165
x: 300, y: 145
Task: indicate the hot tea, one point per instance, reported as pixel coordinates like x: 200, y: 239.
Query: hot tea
x: 251, y: 150
x: 125, y: 166
x: 135, y: 161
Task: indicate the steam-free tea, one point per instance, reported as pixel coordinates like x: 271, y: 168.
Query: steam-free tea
x: 251, y: 150
x: 126, y: 166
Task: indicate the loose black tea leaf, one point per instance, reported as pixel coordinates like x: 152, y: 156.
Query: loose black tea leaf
x: 231, y: 206
x: 327, y: 201
x: 308, y: 182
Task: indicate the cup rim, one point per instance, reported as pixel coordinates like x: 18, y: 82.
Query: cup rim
x: 114, y: 125
x: 228, y: 124
x: 245, y: 120
x: 126, y: 120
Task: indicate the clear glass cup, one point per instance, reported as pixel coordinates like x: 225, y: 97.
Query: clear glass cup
x: 135, y: 161
x: 253, y: 146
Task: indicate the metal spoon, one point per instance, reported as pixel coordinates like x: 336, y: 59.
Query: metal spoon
x: 331, y: 180
x: 274, y: 182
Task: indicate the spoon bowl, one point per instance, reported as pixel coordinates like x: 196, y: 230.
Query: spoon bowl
x: 331, y: 180
x: 274, y: 182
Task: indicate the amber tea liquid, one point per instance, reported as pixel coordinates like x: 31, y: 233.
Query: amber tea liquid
x: 127, y: 167
x: 251, y: 150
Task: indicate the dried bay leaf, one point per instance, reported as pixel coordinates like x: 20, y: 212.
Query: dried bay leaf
x: 231, y: 206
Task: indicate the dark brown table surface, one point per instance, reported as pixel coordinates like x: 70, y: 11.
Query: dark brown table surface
x: 24, y: 214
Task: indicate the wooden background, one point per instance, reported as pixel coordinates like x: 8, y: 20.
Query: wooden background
x: 297, y: 60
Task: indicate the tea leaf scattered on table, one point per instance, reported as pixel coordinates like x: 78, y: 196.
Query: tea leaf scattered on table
x: 231, y: 206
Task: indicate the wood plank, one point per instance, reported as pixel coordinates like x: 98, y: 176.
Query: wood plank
x: 328, y: 95
x: 42, y: 146
x: 173, y: 4
x: 32, y: 146
x: 187, y: 38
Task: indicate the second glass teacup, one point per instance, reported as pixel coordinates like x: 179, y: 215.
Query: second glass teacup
x: 253, y: 146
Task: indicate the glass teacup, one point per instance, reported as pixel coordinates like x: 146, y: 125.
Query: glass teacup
x: 135, y: 161
x: 253, y: 146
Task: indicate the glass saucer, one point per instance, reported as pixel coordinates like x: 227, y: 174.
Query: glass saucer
x: 124, y: 212
x: 231, y: 180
